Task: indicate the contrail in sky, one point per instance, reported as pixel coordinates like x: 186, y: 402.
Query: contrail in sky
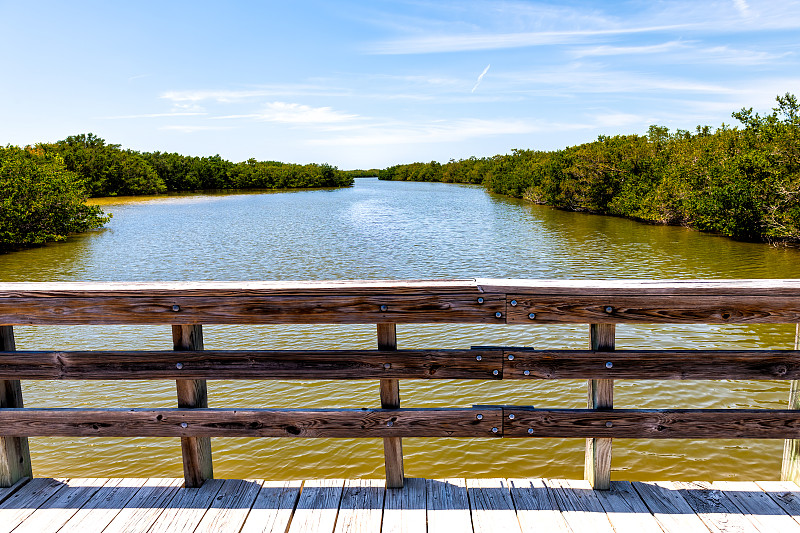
x: 480, y: 78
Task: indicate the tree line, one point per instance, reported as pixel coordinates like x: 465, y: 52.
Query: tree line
x: 742, y: 182
x: 44, y: 188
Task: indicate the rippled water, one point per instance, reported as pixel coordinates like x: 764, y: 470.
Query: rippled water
x: 386, y: 230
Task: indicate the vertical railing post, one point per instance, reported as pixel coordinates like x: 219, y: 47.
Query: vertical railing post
x: 196, y: 451
x: 597, y: 469
x: 390, y: 399
x: 15, y: 457
x: 790, y: 468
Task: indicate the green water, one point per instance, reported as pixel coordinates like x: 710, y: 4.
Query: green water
x: 387, y: 230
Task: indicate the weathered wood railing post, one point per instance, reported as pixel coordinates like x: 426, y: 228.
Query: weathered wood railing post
x: 390, y: 399
x: 790, y: 469
x: 196, y: 451
x: 15, y: 457
x: 597, y: 469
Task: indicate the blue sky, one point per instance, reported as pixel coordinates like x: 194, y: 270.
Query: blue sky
x: 371, y: 84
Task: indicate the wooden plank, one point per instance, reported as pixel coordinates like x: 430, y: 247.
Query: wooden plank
x: 597, y: 465
x: 579, y: 505
x: 7, y: 492
x: 669, y: 508
x: 347, y: 423
x: 757, y: 506
x: 405, y: 509
x: 786, y: 494
x: 652, y: 364
x: 273, y: 508
x: 15, y: 455
x: 24, y: 502
x: 231, y: 506
x: 648, y: 287
x: 652, y: 423
x: 537, y: 509
x: 143, y: 509
x: 653, y: 309
x: 193, y: 393
x: 240, y: 288
x: 361, y: 507
x: 492, y: 506
x: 318, y: 506
x: 790, y: 466
x: 186, y: 509
x: 448, y: 506
x: 256, y: 364
x: 59, y: 508
x: 626, y: 511
x: 187, y: 310
x: 714, y: 508
x: 104, y: 506
x: 390, y: 399
x: 695, y: 287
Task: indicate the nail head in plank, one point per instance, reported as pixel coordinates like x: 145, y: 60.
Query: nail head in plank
x: 230, y: 507
x: 186, y: 509
x: 143, y: 509
x: 714, y: 507
x: 669, y: 508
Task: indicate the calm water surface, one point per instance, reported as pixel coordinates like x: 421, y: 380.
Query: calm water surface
x: 385, y: 230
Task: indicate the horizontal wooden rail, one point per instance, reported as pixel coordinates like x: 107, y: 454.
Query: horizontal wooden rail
x: 600, y: 304
x: 65, y: 422
x: 481, y: 421
x: 497, y: 363
x: 254, y: 364
x: 653, y: 423
x: 456, y: 301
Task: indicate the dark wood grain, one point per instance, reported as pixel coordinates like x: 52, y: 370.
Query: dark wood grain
x: 653, y: 364
x: 654, y: 309
x: 253, y: 364
x: 350, y: 423
x: 653, y: 423
x: 244, y: 309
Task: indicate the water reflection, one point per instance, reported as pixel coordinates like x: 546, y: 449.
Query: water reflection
x: 379, y: 230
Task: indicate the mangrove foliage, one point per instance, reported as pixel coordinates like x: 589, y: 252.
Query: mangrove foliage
x: 742, y: 182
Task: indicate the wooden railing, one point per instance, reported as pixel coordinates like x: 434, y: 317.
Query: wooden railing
x: 601, y: 304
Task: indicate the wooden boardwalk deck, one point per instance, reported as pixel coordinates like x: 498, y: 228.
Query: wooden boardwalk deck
x: 481, y: 505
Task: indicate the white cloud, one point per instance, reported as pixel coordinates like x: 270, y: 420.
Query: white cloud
x: 605, y: 50
x: 439, y: 131
x: 480, y: 78
x: 742, y: 7
x: 292, y: 113
x: 193, y: 129
x: 158, y: 115
x: 494, y: 41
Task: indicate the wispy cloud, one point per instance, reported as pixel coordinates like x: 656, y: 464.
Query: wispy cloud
x: 606, y: 50
x: 742, y: 7
x: 193, y: 128
x: 493, y: 41
x: 158, y: 115
x: 441, y: 131
x: 480, y: 77
x: 293, y: 113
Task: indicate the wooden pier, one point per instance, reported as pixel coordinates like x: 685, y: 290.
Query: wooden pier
x: 133, y: 505
x: 199, y: 502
